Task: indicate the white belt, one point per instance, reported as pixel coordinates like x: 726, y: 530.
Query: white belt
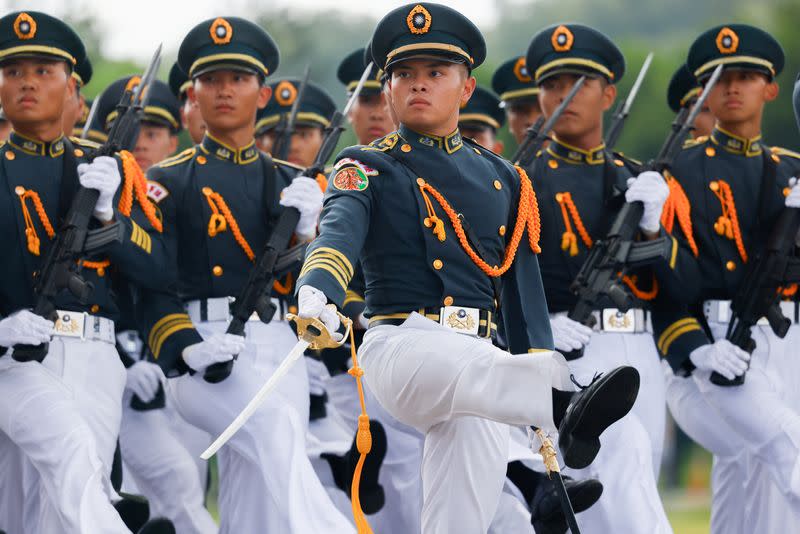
x: 719, y: 311
x: 633, y: 321
x: 81, y: 325
x: 219, y: 309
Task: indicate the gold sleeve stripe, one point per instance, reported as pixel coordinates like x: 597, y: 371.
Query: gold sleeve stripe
x: 332, y: 270
x: 141, y: 238
x: 536, y: 351
x: 675, y: 335
x: 176, y: 327
x: 351, y: 296
x: 671, y: 329
x: 316, y: 262
x: 674, y: 255
x: 336, y: 254
x: 163, y: 323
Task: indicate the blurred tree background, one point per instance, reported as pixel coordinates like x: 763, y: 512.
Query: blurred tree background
x: 320, y: 39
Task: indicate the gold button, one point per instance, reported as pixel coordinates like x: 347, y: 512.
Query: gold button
x: 553, y: 164
x: 420, y: 181
x: 292, y: 309
x: 731, y: 265
x: 786, y: 191
x: 502, y: 230
x: 775, y: 158
x: 10, y: 156
x: 95, y: 308
x: 448, y: 301
x: 201, y: 160
x: 714, y: 186
x: 207, y: 190
x: 619, y: 163
x: 498, y: 185
x: 710, y: 152
x: 559, y: 197
x: 437, y: 264
x: 101, y: 272
x: 406, y: 148
x: 476, y: 150
x: 19, y: 190
x: 78, y: 152
x: 217, y: 270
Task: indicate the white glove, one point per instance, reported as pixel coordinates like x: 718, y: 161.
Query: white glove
x: 793, y: 198
x: 311, y: 302
x: 723, y: 357
x: 25, y: 328
x: 143, y: 379
x: 218, y: 348
x: 305, y: 195
x: 569, y: 335
x: 103, y: 175
x: 652, y: 190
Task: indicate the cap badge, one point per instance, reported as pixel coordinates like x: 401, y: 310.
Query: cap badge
x: 521, y: 71
x: 221, y: 31
x: 562, y: 39
x: 285, y: 93
x: 727, y: 41
x: 419, y: 20
x: 25, y: 26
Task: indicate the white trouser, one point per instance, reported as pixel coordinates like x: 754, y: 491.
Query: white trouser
x: 631, y: 447
x: 462, y: 393
x: 163, y: 470
x: 12, y: 498
x: 267, y: 483
x: 64, y: 416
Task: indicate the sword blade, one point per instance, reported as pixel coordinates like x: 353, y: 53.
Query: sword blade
x: 566, y: 505
x: 295, y: 354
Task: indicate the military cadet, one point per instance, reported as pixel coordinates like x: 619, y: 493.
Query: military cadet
x: 518, y: 95
x: 157, y: 465
x: 5, y: 125
x: 369, y: 116
x: 481, y: 118
x: 75, y: 110
x: 313, y: 116
x: 682, y: 92
x: 428, y: 356
x: 73, y: 395
x: 736, y: 187
x: 580, y: 186
x: 190, y: 114
x: 219, y: 201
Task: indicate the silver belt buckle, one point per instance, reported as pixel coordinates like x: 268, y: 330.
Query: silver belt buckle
x: 615, y: 320
x: 460, y: 319
x: 70, y: 324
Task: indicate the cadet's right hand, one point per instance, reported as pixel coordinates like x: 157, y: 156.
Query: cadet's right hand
x: 723, y: 357
x: 793, y: 198
x: 569, y: 335
x: 218, y: 348
x: 312, y: 303
x: 25, y: 328
x: 143, y: 379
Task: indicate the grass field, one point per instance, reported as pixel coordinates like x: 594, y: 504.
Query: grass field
x: 688, y: 515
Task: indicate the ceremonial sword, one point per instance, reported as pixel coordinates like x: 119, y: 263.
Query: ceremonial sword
x: 548, y: 452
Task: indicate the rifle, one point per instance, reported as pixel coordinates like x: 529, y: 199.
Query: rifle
x: 285, y: 130
x: 90, y: 118
x: 537, y: 134
x: 624, y: 108
x: 255, y: 295
x: 600, y: 275
x: 61, y: 268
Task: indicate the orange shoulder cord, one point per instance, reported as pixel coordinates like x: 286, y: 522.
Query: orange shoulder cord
x: 527, y: 217
x: 727, y: 224
x: 135, y: 183
x: 677, y: 206
x: 569, y: 242
x: 221, y: 218
x: 30, y: 230
x: 363, y: 444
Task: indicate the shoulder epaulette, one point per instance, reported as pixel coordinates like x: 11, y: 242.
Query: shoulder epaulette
x: 627, y: 159
x: 383, y: 144
x: 87, y: 143
x: 178, y: 158
x: 288, y: 164
x: 2, y: 144
x: 785, y: 152
x: 480, y: 149
x: 689, y: 143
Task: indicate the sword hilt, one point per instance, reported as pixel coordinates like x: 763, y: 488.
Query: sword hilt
x: 316, y: 333
x: 548, y: 452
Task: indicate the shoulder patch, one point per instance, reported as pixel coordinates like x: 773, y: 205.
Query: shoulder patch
x: 351, y: 178
x: 178, y: 158
x: 366, y: 169
x: 84, y: 142
x: 785, y: 152
x: 695, y: 142
x: 156, y: 191
x: 284, y: 163
x: 383, y: 144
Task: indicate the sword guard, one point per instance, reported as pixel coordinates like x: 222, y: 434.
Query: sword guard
x: 548, y: 452
x: 316, y: 333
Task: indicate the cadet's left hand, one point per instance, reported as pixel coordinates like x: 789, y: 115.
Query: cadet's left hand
x: 650, y: 189
x: 143, y: 379
x: 103, y: 175
x: 305, y: 195
x: 793, y: 198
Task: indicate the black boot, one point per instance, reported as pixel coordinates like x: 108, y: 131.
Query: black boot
x: 134, y: 511
x: 547, y: 516
x: 157, y: 526
x: 371, y: 493
x: 593, y: 409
